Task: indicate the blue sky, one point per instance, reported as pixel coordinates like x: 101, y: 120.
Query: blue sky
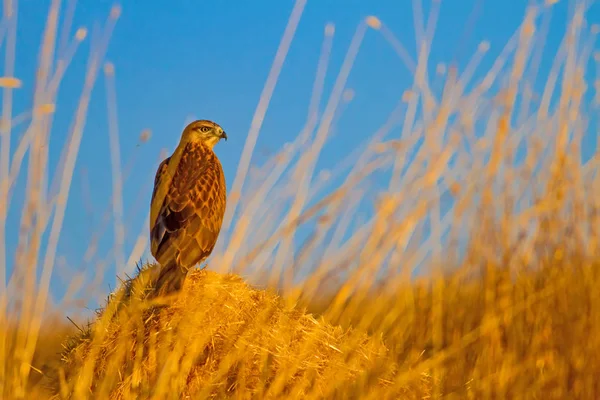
x: 209, y: 59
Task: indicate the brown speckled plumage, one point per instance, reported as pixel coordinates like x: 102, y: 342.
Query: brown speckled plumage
x: 189, y: 219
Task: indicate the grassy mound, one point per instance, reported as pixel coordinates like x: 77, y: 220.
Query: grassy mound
x: 220, y: 338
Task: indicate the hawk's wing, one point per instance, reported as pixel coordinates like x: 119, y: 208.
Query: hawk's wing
x: 189, y: 220
x: 157, y: 230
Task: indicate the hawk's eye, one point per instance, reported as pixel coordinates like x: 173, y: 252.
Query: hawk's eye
x: 204, y: 128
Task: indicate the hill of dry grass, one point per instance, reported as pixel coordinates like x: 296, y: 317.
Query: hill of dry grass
x: 222, y: 338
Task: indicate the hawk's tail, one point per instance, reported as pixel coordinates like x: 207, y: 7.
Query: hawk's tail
x: 170, y: 278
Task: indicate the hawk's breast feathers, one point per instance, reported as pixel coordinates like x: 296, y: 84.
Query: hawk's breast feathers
x: 189, y: 219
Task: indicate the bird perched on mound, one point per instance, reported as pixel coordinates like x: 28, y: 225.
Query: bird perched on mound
x: 187, y: 206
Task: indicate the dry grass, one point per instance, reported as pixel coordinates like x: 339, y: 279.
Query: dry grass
x: 482, y: 188
x: 222, y: 338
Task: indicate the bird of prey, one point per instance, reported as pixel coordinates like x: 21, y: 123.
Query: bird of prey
x: 187, y: 206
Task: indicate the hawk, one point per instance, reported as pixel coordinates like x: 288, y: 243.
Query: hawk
x: 187, y: 206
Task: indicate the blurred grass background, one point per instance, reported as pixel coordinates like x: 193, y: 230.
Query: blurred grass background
x: 471, y: 273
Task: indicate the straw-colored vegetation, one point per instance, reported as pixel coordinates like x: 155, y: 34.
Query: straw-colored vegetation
x: 487, y: 187
x: 220, y: 338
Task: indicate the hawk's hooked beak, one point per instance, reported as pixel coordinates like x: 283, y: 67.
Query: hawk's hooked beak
x: 223, y: 135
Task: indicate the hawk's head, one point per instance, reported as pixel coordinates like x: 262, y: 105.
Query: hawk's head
x: 204, y: 131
